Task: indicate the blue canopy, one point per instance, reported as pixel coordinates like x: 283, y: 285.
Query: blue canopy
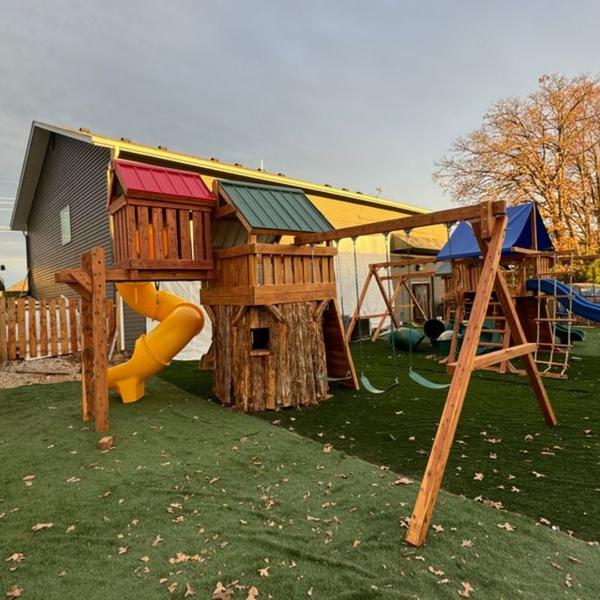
x: 519, y: 233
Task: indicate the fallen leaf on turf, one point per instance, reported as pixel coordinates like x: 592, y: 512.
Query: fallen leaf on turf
x: 122, y: 550
x: 568, y: 581
x: 466, y: 589
x: 327, y: 448
x: 189, y: 591
x: 14, y: 592
x: 556, y: 566
x: 41, y: 526
x: 28, y: 479
x: 214, y: 480
x: 70, y: 528
x: 507, y: 526
x: 105, y: 443
x: 573, y: 559
x: 144, y: 558
x: 356, y: 543
x: 156, y: 541
x: 545, y: 521
x: 172, y: 587
x: 221, y: 592
x: 403, y: 481
x: 252, y: 594
x: 16, y: 557
x: 478, y: 476
x: 435, y: 571
x: 264, y: 572
x: 467, y: 544
x: 437, y: 528
x: 311, y: 518
x: 537, y: 474
x: 62, y: 574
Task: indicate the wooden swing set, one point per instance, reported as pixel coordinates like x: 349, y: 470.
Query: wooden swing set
x: 489, y: 222
x: 402, y: 282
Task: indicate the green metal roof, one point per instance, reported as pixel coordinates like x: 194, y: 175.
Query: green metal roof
x: 279, y: 208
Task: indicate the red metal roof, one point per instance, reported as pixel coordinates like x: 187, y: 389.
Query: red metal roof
x: 141, y: 179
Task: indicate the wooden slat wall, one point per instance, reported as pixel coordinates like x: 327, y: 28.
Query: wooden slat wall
x: 31, y: 328
x: 276, y: 270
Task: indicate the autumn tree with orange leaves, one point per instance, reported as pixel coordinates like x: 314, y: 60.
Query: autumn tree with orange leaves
x: 545, y: 148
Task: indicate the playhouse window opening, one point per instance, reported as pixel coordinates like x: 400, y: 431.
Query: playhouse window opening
x: 260, y: 338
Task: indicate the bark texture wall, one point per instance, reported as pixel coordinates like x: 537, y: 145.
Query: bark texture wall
x: 283, y: 375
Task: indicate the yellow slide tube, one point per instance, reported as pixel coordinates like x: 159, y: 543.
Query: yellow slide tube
x: 179, y: 320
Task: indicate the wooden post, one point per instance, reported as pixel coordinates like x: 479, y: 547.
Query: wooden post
x: 442, y: 444
x: 3, y: 337
x: 87, y: 347
x: 99, y: 338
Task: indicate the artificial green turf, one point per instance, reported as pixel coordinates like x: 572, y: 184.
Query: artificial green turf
x: 237, y: 492
x: 493, y: 437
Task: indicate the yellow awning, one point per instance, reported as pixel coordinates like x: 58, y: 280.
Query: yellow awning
x: 426, y: 240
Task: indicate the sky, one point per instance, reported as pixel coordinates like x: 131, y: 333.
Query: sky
x: 356, y: 94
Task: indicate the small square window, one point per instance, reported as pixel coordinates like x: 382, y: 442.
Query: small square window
x: 65, y: 225
x: 260, y: 338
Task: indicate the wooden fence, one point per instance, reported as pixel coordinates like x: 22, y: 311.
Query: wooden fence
x: 31, y: 328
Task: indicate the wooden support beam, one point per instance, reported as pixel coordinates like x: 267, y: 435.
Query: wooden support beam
x: 442, y: 444
x: 322, y: 306
x: 516, y: 331
x: 78, y: 279
x: 238, y: 317
x: 388, y: 305
x: 497, y: 207
x: 224, y: 211
x: 99, y: 338
x: 275, y: 312
x: 385, y: 314
x: 491, y: 358
x: 87, y: 348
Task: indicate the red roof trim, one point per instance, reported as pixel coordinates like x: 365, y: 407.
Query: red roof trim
x: 139, y: 178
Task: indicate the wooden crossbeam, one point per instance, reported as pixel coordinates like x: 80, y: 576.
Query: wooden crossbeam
x: 464, y: 213
x: 492, y: 358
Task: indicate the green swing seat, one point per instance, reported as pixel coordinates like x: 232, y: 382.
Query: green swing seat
x: 372, y: 389
x: 426, y: 383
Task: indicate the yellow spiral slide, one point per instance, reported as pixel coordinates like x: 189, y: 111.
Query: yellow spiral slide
x: 179, y: 320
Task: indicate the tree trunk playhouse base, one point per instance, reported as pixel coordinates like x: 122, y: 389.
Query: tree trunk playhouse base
x: 265, y: 362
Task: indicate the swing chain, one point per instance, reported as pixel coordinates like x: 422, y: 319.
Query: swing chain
x: 391, y: 308
x: 407, y: 232
x: 362, y: 357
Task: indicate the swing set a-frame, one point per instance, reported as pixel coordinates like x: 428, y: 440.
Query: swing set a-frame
x: 489, y: 222
x: 401, y: 284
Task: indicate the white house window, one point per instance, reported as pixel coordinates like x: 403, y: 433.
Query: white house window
x: 65, y: 225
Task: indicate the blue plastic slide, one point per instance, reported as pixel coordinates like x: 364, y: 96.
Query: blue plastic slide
x: 580, y: 306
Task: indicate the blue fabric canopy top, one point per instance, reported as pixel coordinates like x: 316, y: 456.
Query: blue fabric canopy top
x: 519, y: 233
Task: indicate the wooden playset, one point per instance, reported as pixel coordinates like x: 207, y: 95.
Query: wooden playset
x: 278, y: 338
x: 540, y: 281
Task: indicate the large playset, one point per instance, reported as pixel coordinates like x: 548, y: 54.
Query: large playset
x: 265, y: 257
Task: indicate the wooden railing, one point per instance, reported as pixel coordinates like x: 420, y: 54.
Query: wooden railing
x: 154, y: 235
x: 31, y: 328
x: 271, y: 273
